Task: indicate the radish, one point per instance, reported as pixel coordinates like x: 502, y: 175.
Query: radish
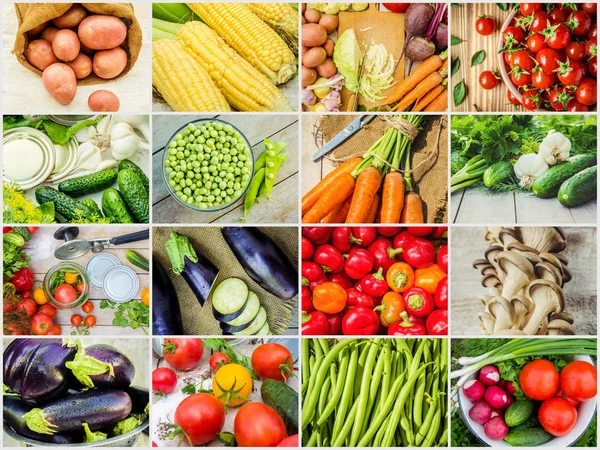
x: 480, y: 412
x: 501, y: 384
x: 510, y: 387
x: 497, y: 413
x: 495, y: 397
x: 496, y: 429
x: 473, y: 390
x: 509, y: 401
x: 489, y: 375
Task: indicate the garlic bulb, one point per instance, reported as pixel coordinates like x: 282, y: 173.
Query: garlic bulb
x: 528, y: 168
x: 137, y: 121
x: 555, y: 148
x: 124, y: 142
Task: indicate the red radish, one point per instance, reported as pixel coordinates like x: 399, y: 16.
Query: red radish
x: 480, y: 412
x: 510, y: 387
x: 496, y: 429
x: 509, y: 401
x: 495, y: 397
x: 473, y: 390
x: 489, y: 375
x: 497, y: 413
x: 502, y: 384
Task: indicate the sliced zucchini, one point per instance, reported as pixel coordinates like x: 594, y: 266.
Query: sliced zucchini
x: 244, y: 320
x: 229, y: 299
x: 256, y: 325
x: 264, y: 331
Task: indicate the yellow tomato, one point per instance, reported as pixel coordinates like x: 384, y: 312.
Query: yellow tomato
x: 39, y: 296
x: 146, y: 296
x: 71, y: 277
x: 232, y: 384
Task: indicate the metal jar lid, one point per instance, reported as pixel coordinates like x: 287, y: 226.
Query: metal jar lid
x: 71, y: 119
x: 98, y: 265
x: 38, y: 143
x: 65, y: 159
x: 121, y: 284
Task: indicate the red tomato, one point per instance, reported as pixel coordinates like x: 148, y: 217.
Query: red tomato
x: 557, y: 416
x: 557, y: 36
x: 183, y: 353
x: 485, y: 25
x: 201, y: 417
x: 80, y: 287
x: 574, y: 106
x: 524, y: 60
x: 591, y: 48
x: 581, y: 23
x: 541, y: 80
x: 32, y: 230
x: 26, y: 294
x: 272, y: 361
x: 539, y: 380
x: 520, y: 79
x: 41, y: 324
x: 290, y: 441
x: 527, y: 9
x: 571, y: 72
x: 536, y: 42
x: 593, y: 33
x: 593, y: 66
x: 559, y: 97
x: 513, y: 33
x: 531, y: 100
x: 590, y: 8
x: 487, y: 80
x: 65, y: 293
x: 56, y: 330
x: 90, y: 321
x: 575, y: 51
x: 164, y: 380
x: 586, y: 92
x: 558, y: 15
x: 539, y: 22
x: 508, y: 58
x: 87, y: 307
x: 76, y: 320
x: 28, y: 306
x: 258, y: 425
x: 548, y: 60
x: 397, y: 7
x: 48, y: 309
x: 511, y: 98
x: 578, y: 381
x: 217, y: 360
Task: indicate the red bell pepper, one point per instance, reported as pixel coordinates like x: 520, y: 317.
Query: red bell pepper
x: 358, y: 298
x: 440, y: 297
x: 329, y: 258
x: 374, y: 284
x: 437, y: 323
x: 366, y: 235
x: 418, y: 302
x: 383, y: 254
x: 313, y: 284
x: 307, y: 249
x: 340, y: 278
x: 317, y: 235
x: 360, y: 321
x: 311, y: 271
x: 420, y: 231
x: 315, y: 324
x: 419, y: 253
x: 6, y: 230
x: 23, y: 279
x: 358, y: 264
x: 389, y: 231
x: 440, y: 233
x: 442, y: 258
x: 342, y: 239
x: 406, y: 327
x: 401, y: 241
x: 307, y: 300
x: 335, y: 323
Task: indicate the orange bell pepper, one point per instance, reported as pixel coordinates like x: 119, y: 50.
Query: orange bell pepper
x: 429, y: 277
x: 400, y: 277
x: 329, y: 298
x: 391, y: 307
x: 71, y: 277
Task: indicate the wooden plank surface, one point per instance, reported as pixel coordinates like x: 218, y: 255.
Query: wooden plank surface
x: 283, y: 208
x: 468, y: 244
x: 24, y: 93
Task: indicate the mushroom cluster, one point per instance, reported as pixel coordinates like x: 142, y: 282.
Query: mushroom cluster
x: 524, y: 271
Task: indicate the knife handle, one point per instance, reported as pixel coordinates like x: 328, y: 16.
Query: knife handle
x: 350, y: 107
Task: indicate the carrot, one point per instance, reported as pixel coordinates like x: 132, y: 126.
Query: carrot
x: 413, y: 209
x: 426, y: 68
x: 428, y: 98
x: 367, y: 185
x: 310, y: 198
x: 431, y: 81
x: 392, y: 199
x: 337, y: 191
x: 340, y: 213
x: 373, y: 210
x: 439, y: 104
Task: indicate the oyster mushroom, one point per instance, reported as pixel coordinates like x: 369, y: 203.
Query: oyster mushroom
x: 560, y: 327
x: 543, y: 330
x: 567, y: 276
x: 490, y: 255
x: 530, y: 253
x: 510, y: 332
x: 548, y: 298
x: 487, y: 323
x: 492, y: 283
x: 547, y: 271
x: 544, y: 239
x: 492, y: 234
x: 481, y: 264
x: 503, y: 312
x: 508, y: 236
x: 518, y: 271
x: 564, y: 315
x: 522, y: 306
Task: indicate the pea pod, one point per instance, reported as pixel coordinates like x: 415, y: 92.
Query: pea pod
x: 252, y: 192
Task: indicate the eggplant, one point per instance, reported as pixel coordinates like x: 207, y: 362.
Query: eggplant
x: 102, y: 366
x: 97, y: 408
x: 197, y: 271
x: 166, y: 315
x: 14, y: 409
x: 230, y: 299
x: 36, y: 369
x: 263, y: 260
x: 140, y: 397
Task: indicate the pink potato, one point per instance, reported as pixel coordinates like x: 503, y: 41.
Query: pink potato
x: 110, y: 63
x: 60, y: 82
x: 102, y: 32
x: 104, y: 101
x: 39, y: 54
x: 35, y: 32
x: 49, y: 33
x: 82, y: 66
x: 65, y: 45
x: 73, y: 17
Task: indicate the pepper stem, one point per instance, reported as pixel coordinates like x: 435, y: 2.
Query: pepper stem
x: 392, y: 252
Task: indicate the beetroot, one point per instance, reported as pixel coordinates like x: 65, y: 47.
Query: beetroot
x: 480, y: 412
x: 495, y: 397
x: 441, y: 37
x: 496, y: 428
x: 489, y: 375
x: 474, y: 390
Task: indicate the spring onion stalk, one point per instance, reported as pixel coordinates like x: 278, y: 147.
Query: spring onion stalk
x: 471, y: 173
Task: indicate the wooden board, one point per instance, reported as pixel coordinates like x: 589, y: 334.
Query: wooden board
x: 385, y: 28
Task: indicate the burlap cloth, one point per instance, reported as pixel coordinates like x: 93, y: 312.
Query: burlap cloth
x: 209, y: 242
x: 429, y: 156
x: 31, y: 15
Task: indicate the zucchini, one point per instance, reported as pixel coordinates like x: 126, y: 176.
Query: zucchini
x: 229, y: 299
x: 136, y: 197
x: 114, y: 207
x: 126, y: 164
x: 548, y: 184
x: 88, y: 184
x: 138, y: 260
x: 256, y: 324
x: 497, y: 173
x: 242, y: 321
x: 580, y: 188
x: 93, y: 206
x: 282, y: 399
x: 72, y: 210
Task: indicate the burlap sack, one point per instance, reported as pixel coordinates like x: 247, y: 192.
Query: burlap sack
x: 31, y: 15
x: 208, y: 241
x: 429, y: 156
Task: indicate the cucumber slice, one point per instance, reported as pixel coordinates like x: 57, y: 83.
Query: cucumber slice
x: 264, y: 331
x: 244, y: 320
x: 229, y: 299
x: 256, y: 325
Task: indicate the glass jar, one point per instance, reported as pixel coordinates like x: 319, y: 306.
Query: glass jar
x: 68, y: 267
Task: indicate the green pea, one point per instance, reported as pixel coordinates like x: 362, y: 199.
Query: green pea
x: 210, y: 198
x: 183, y: 197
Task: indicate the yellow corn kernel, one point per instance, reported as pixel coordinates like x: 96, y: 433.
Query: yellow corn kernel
x: 279, y: 16
x: 252, y: 38
x: 182, y: 82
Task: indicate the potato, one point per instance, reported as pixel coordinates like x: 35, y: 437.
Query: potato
x: 109, y: 63
x: 327, y: 68
x: 82, y: 66
x: 329, y: 46
x: 309, y: 76
x: 103, y: 101
x: 39, y: 54
x: 303, y: 20
x: 312, y: 15
x: 60, y: 82
x: 329, y: 22
x: 313, y: 35
x: 35, y: 32
x: 65, y: 45
x: 48, y: 34
x: 87, y: 51
x: 73, y: 17
x: 314, y: 57
x: 305, y: 49
x: 102, y: 32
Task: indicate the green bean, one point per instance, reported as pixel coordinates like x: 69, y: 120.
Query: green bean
x: 324, y: 392
x: 324, y: 346
x: 317, y: 347
x: 305, y: 360
x: 339, y: 438
x: 313, y: 439
x: 408, y: 432
x: 252, y: 192
x: 432, y: 431
x: 333, y: 401
x: 418, y: 402
x: 361, y: 367
x: 443, y: 440
x: 347, y: 393
x: 426, y: 425
x: 377, y: 374
x: 379, y: 433
x: 387, y: 376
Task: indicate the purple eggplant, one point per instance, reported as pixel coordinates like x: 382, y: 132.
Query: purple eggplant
x: 263, y: 260
x: 140, y: 397
x: 97, y: 408
x: 36, y: 369
x: 102, y: 366
x: 197, y: 271
x: 166, y: 315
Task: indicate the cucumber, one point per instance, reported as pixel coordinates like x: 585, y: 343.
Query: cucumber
x: 93, y: 206
x: 114, y: 207
x: 229, y: 299
x: 24, y: 232
x: 527, y: 437
x: 243, y: 321
x: 88, y: 184
x: 532, y: 422
x: 136, y: 197
x: 138, y: 260
x: 496, y: 173
x: 126, y: 164
x: 256, y: 324
x: 548, y: 184
x: 13, y: 238
x: 72, y: 210
x: 519, y: 412
x: 580, y: 188
x: 282, y: 399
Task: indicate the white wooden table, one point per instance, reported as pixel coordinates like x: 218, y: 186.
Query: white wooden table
x: 24, y: 93
x: 284, y: 205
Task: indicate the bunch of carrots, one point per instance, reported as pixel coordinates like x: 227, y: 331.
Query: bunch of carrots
x: 371, y: 189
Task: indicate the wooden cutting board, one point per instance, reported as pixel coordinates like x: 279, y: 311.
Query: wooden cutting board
x: 385, y: 28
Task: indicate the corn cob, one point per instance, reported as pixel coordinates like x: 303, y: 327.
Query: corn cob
x: 281, y: 17
x: 244, y: 87
x: 182, y: 82
x: 250, y: 37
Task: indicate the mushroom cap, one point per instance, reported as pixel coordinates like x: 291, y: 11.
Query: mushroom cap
x: 489, y: 270
x: 481, y: 264
x: 554, y: 295
x: 547, y: 271
x: 563, y: 315
x: 567, y: 276
x: 563, y: 258
x: 560, y: 327
x: 508, y: 235
x: 491, y: 234
x: 490, y: 281
x: 487, y: 322
x: 515, y: 272
x: 503, y: 312
x: 544, y: 239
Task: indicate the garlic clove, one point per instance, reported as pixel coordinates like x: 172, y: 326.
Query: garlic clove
x: 86, y: 134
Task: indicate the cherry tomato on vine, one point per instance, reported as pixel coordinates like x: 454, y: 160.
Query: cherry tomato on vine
x: 76, y: 320
x: 574, y: 106
x: 539, y: 22
x: 487, y: 80
x: 558, y: 15
x: 485, y: 25
x: 559, y: 97
x: 541, y: 80
x: 592, y: 66
x: 548, y: 59
x: 520, y: 79
x: 531, y: 100
x: 557, y: 36
x: 90, y: 321
x: 87, y: 307
x: 590, y: 8
x: 571, y: 72
x: 524, y: 60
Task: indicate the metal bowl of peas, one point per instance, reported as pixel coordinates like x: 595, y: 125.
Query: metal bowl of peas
x: 208, y: 165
